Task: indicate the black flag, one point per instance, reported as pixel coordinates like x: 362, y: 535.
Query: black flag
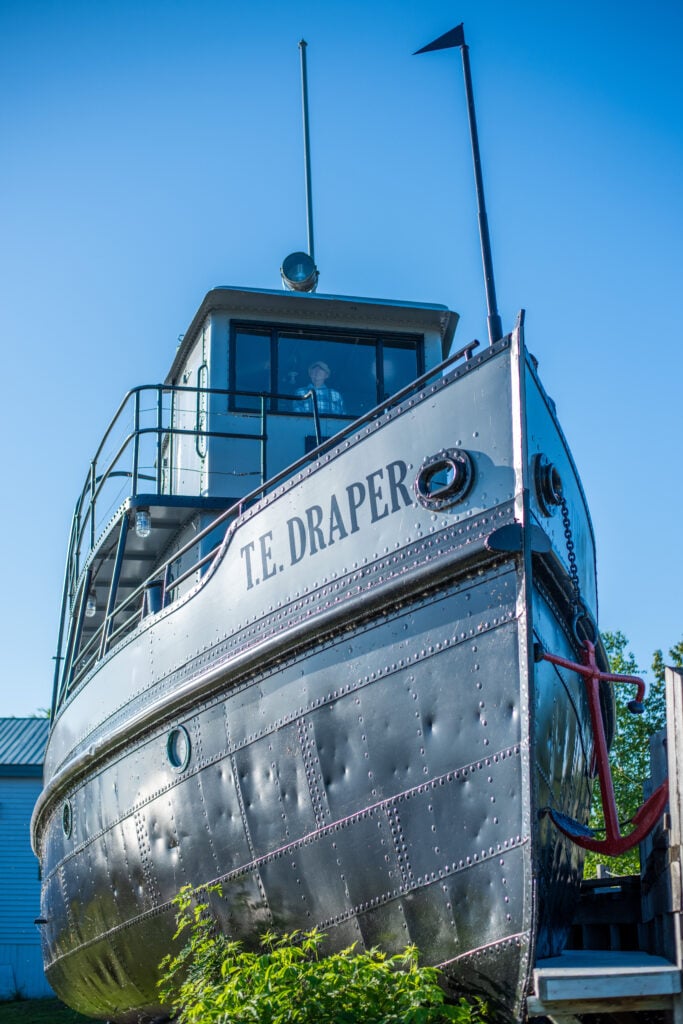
x: 456, y: 37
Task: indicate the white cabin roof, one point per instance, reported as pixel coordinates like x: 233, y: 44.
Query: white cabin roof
x: 327, y: 310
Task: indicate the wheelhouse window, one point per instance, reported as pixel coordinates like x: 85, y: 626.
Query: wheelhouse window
x: 351, y: 372
x: 250, y: 360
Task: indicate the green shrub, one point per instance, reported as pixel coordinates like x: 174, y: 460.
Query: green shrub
x: 213, y: 980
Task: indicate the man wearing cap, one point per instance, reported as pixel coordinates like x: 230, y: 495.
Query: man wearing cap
x: 328, y: 400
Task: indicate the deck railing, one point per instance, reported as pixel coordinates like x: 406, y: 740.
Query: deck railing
x: 73, y: 666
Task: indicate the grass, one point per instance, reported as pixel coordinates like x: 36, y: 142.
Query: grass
x: 39, y: 1011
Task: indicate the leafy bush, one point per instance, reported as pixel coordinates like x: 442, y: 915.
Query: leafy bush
x: 213, y: 980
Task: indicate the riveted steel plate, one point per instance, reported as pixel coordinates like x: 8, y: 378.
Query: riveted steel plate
x: 368, y: 740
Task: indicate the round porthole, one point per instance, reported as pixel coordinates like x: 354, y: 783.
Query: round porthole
x: 178, y: 748
x: 548, y: 485
x: 67, y: 819
x: 444, y: 479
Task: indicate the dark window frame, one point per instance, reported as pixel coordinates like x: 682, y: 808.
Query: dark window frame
x: 380, y: 339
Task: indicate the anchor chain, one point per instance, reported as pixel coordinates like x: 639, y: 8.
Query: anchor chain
x: 581, y: 614
x: 571, y: 554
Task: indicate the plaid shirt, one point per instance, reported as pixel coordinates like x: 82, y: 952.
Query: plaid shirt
x: 329, y: 401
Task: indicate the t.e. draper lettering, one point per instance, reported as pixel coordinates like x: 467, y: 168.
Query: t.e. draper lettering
x: 378, y: 495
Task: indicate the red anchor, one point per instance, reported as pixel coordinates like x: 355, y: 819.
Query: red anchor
x: 646, y: 817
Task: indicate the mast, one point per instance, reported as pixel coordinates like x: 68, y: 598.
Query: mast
x: 307, y: 149
x: 452, y: 40
x: 298, y: 271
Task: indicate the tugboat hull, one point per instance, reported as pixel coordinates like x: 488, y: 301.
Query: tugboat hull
x: 342, y: 722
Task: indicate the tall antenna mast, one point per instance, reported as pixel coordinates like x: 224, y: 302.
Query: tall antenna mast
x: 307, y: 149
x: 299, y: 272
x: 451, y: 40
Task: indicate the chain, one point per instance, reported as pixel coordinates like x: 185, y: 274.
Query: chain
x: 571, y: 555
x: 581, y: 614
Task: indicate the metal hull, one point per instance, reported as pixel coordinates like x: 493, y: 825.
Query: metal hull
x: 367, y: 737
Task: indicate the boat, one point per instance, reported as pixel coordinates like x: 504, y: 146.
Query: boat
x: 315, y: 583
x: 310, y: 674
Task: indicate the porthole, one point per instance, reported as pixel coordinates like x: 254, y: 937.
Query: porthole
x: 67, y: 819
x: 444, y: 479
x: 547, y: 484
x: 178, y: 748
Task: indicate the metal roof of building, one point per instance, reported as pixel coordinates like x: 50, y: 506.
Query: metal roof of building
x: 22, y: 741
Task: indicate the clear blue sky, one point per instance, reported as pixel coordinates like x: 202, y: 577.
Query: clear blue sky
x: 153, y: 150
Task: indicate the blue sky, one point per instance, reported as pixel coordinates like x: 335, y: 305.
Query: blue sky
x: 153, y: 150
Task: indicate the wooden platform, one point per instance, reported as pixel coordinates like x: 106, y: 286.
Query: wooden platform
x: 603, y: 981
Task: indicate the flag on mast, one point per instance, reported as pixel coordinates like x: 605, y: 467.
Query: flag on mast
x: 449, y: 40
x: 455, y: 39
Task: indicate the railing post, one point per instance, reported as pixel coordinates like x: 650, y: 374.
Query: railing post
x: 114, y: 586
x: 171, y: 441
x: 72, y: 554
x: 264, y: 439
x: 316, y: 417
x: 58, y: 659
x: 163, y: 592
x: 93, y: 485
x: 74, y: 638
x: 75, y: 545
x: 136, y: 442
x: 160, y: 427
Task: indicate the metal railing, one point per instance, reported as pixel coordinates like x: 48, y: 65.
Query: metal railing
x: 106, y: 462
x: 79, y: 663
x: 123, y: 456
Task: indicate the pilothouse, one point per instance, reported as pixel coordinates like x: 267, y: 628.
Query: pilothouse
x: 261, y: 379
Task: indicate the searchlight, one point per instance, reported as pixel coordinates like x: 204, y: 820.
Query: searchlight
x: 299, y: 273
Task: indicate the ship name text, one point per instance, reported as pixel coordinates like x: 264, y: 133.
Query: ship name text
x: 376, y: 496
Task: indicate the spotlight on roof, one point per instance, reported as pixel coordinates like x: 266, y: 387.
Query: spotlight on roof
x: 299, y: 273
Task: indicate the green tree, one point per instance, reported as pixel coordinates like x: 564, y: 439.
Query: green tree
x: 213, y: 980
x: 630, y: 753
